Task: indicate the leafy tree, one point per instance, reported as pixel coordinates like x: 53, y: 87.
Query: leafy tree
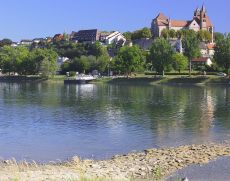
x: 6, y: 58
x: 128, y: 35
x: 21, y: 55
x: 44, y: 61
x: 204, y: 35
x: 82, y: 64
x: 143, y: 33
x: 5, y: 42
x: 165, y: 33
x: 172, y: 33
x: 191, y: 47
x: 179, y: 62
x: 222, y: 53
x: 97, y: 49
x: 218, y: 36
x: 129, y: 59
x: 100, y: 63
x: 161, y: 55
x: 179, y: 34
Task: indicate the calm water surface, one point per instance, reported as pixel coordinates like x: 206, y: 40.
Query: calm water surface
x: 45, y: 122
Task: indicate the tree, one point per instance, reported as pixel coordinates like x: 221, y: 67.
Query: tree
x: 129, y: 59
x: 165, y: 33
x: 191, y: 47
x: 5, y: 42
x: 44, y: 61
x: 179, y: 34
x: 172, y: 33
x: 179, y: 62
x: 218, y: 36
x: 161, y: 55
x: 204, y: 35
x: 128, y: 35
x: 143, y: 33
x: 6, y: 58
x: 82, y: 64
x: 222, y: 53
x: 21, y: 55
x: 97, y: 49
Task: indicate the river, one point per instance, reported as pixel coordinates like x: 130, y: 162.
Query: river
x: 51, y: 121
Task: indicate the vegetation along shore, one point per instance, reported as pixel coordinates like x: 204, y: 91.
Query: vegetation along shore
x: 151, y: 164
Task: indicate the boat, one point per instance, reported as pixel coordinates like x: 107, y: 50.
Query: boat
x: 80, y: 79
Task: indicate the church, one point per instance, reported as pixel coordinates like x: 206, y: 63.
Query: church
x: 200, y: 21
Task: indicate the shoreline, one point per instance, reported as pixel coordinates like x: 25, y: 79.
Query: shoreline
x: 142, y: 80
x: 155, y: 164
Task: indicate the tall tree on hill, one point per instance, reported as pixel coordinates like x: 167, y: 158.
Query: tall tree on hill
x: 218, y: 36
x: 142, y: 33
x: 204, y: 35
x: 161, y: 55
x: 129, y: 59
x: 179, y: 62
x: 191, y: 47
x: 222, y: 53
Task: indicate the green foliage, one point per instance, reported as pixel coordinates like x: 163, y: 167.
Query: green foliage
x: 97, y: 50
x: 5, y: 42
x: 172, y: 33
x: 128, y: 35
x: 82, y: 64
x: 129, y: 59
x: 161, y: 55
x: 218, y: 36
x: 143, y: 33
x: 165, y: 33
x: 191, y: 45
x: 222, y: 53
x: 20, y: 60
x: 179, y: 62
x: 204, y: 35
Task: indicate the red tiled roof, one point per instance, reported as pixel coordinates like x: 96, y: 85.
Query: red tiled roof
x: 211, y: 46
x: 201, y: 59
x: 161, y: 16
x: 179, y: 23
x: 209, y: 22
x: 162, y: 23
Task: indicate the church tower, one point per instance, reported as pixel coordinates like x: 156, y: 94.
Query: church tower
x: 197, y: 13
x: 203, y: 18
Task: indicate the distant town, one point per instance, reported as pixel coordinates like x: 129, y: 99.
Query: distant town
x: 71, y: 48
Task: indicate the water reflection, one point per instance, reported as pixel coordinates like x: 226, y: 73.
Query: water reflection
x: 50, y: 121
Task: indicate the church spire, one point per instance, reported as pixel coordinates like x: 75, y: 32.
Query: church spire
x: 203, y: 9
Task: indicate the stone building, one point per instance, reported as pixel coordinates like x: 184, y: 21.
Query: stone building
x: 200, y: 21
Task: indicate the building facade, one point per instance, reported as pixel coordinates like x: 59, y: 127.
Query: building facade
x: 200, y: 21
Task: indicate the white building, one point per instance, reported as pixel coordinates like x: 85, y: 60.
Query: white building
x: 114, y: 37
x: 61, y: 60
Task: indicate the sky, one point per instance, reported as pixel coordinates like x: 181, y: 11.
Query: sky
x: 28, y: 19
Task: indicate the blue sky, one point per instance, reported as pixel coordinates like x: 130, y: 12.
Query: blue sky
x: 40, y: 18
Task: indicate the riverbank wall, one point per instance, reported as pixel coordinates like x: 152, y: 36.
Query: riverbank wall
x: 199, y: 80
x: 19, y: 79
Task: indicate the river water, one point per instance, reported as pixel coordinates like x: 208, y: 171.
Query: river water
x: 50, y: 121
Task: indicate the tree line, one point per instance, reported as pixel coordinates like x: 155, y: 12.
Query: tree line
x: 22, y: 61
x: 84, y: 58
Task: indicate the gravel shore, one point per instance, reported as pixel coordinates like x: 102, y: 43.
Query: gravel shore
x: 151, y: 164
